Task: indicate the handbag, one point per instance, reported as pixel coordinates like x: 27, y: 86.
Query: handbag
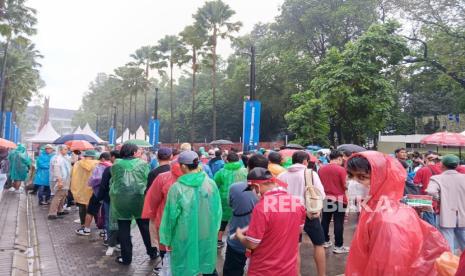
x: 313, y: 197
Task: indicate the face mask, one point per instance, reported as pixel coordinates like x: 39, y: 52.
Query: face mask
x: 357, y: 190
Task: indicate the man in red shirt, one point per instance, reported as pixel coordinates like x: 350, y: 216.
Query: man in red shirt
x: 422, y: 177
x: 276, y: 223
x: 333, y: 177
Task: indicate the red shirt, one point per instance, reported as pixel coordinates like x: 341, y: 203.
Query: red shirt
x: 461, y: 169
x: 424, y: 174
x: 333, y: 177
x: 276, y: 223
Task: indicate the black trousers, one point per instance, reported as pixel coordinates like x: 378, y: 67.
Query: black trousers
x: 82, y: 212
x: 234, y: 262
x: 124, y: 236
x: 336, y: 210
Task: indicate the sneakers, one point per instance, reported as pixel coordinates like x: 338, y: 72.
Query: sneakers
x: 44, y: 203
x: 220, y: 244
x: 83, y: 232
x: 63, y: 213
x: 327, y: 244
x: 77, y: 221
x: 12, y: 189
x: 340, y: 250
x: 110, y: 251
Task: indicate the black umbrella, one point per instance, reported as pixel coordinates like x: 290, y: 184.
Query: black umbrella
x: 221, y: 142
x: 69, y: 137
x: 293, y: 146
x: 351, y: 147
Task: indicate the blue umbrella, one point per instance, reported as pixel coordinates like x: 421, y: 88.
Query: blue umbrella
x: 65, y: 138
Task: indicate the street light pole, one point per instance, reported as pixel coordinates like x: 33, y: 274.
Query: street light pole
x: 155, y: 110
x: 252, y: 73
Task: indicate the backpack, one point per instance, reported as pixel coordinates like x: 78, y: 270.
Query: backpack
x: 313, y: 197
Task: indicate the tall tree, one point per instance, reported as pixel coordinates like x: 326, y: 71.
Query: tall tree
x: 142, y: 57
x: 214, y: 17
x: 17, y: 22
x: 172, y: 52
x: 194, y: 37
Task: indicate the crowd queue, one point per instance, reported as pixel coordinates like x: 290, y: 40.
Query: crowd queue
x: 187, y: 205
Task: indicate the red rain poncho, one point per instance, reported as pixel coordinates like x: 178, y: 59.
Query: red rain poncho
x: 157, y: 194
x: 392, y: 239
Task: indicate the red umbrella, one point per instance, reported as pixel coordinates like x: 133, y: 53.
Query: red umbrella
x: 445, y: 139
x: 286, y: 153
x: 79, y: 145
x: 7, y: 144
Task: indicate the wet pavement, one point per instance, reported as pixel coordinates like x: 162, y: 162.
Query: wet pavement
x: 62, y: 252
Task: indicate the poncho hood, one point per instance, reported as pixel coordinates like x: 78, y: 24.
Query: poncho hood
x: 233, y: 166
x: 175, y: 169
x: 87, y: 165
x: 387, y: 176
x: 297, y: 168
x: 128, y: 164
x: 192, y: 179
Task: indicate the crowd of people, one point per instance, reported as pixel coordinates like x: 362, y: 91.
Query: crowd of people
x: 189, y: 204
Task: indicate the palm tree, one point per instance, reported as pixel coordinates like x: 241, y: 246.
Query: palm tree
x: 171, y: 52
x: 194, y: 37
x: 16, y: 21
x: 142, y: 56
x: 132, y: 81
x: 213, y: 18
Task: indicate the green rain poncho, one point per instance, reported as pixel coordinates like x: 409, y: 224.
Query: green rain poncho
x: 19, y: 163
x: 127, y: 186
x: 231, y: 173
x: 190, y: 224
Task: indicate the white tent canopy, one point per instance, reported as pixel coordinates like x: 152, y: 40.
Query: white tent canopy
x: 126, y: 136
x: 78, y: 130
x: 46, y: 135
x: 140, y: 134
x: 87, y: 130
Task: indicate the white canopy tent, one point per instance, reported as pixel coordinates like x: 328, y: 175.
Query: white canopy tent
x: 87, y: 130
x: 126, y: 136
x: 78, y: 130
x: 46, y: 135
x: 140, y: 134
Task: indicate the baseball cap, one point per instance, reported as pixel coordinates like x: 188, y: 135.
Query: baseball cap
x: 164, y: 153
x: 258, y: 175
x: 187, y: 157
x: 48, y: 146
x: 90, y: 153
x: 450, y: 160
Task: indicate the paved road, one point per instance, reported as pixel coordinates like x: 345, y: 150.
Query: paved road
x: 62, y: 252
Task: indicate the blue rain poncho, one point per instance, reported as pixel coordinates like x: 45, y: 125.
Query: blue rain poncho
x: 42, y: 177
x: 190, y: 224
x: 19, y: 164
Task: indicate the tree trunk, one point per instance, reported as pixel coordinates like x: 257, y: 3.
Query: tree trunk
x: 2, y: 84
x: 194, y: 69
x: 122, y: 115
x: 214, y: 82
x: 130, y: 109
x: 135, y: 112
x: 146, y: 118
x: 171, y: 103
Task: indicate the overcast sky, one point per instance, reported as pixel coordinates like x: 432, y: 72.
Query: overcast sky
x: 80, y: 38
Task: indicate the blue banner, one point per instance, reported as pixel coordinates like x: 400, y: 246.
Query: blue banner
x: 112, y: 136
x: 7, y: 130
x: 251, y: 125
x: 154, y: 133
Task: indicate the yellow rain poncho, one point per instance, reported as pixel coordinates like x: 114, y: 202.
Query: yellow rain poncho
x: 190, y: 224
x: 82, y: 170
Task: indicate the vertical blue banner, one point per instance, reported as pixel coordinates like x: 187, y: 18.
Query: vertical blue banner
x: 112, y: 136
x: 15, y: 133
x: 19, y: 135
x: 251, y: 125
x: 154, y: 133
x: 7, y: 130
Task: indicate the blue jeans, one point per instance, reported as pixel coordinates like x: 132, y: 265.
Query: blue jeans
x: 44, y: 193
x: 455, y: 237
x: 430, y: 218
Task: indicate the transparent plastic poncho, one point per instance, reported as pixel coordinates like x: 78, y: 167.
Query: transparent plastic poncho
x: 127, y: 186
x: 231, y: 173
x: 190, y: 224
x: 19, y: 163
